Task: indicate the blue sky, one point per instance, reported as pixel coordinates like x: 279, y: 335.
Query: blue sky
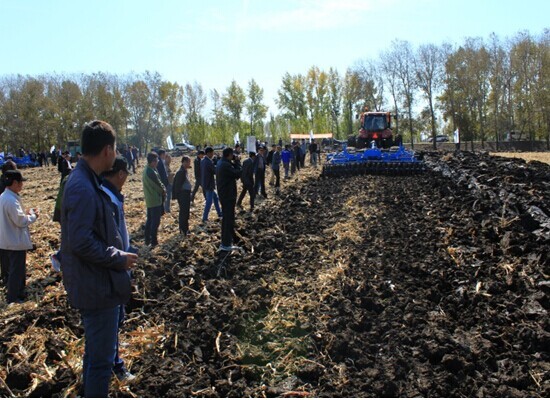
x: 215, y: 41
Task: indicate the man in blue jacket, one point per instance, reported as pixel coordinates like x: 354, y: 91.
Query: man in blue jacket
x: 113, y: 181
x: 94, y: 264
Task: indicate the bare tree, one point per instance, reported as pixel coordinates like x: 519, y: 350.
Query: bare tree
x: 403, y: 59
x: 429, y: 75
x: 390, y: 73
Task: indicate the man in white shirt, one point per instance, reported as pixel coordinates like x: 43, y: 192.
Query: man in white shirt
x: 15, y: 239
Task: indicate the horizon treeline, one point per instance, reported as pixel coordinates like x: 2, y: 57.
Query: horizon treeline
x: 487, y: 88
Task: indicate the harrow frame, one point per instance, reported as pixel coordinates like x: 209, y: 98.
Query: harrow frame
x: 373, y: 161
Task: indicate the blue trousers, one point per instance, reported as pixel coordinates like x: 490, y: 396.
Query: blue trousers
x: 211, y: 196
x: 100, y: 348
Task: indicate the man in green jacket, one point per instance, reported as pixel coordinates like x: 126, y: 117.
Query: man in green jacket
x: 155, y: 193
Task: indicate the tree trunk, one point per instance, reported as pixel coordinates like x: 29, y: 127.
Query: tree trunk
x: 411, y: 127
x: 432, y: 113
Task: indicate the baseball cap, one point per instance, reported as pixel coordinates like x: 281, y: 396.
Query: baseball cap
x: 120, y: 165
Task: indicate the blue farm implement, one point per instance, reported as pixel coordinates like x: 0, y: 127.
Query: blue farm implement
x: 374, y: 161
x: 21, y: 162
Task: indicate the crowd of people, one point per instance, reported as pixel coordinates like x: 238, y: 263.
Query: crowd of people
x: 96, y: 257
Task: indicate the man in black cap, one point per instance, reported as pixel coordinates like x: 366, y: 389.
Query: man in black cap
x: 65, y: 166
x: 7, y: 166
x: 15, y: 239
x: 113, y: 181
x: 197, y: 172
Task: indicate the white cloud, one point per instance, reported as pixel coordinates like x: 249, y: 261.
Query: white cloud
x: 322, y: 14
x: 301, y: 15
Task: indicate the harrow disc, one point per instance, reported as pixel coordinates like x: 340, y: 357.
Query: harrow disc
x: 394, y: 168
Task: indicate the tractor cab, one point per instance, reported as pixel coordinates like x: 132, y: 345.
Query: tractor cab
x: 375, y: 122
x: 375, y: 126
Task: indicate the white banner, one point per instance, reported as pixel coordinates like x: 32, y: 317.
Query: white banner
x: 52, y: 149
x: 310, y: 135
x: 236, y: 138
x: 457, y: 136
x: 169, y: 143
x: 251, y: 143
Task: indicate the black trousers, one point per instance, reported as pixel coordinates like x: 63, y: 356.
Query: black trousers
x: 251, y: 193
x: 260, y: 182
x: 184, y: 201
x: 277, y: 173
x: 228, y: 220
x: 14, y: 269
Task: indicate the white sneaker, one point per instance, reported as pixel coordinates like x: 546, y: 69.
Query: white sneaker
x: 225, y: 248
x: 55, y: 263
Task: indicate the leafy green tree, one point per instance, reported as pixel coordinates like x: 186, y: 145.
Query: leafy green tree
x: 171, y: 95
x: 137, y: 99
x: 194, y: 102
x: 291, y: 99
x: 335, y: 99
x: 255, y: 109
x: 220, y: 127
x: 233, y: 102
x: 530, y: 62
x: 351, y: 95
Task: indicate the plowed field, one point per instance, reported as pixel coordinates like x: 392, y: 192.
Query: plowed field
x: 433, y: 285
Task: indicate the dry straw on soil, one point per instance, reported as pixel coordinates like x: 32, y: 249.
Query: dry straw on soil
x: 537, y: 156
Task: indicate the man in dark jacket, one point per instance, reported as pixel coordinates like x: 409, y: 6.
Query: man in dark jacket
x: 276, y: 167
x: 135, y: 155
x: 247, y: 180
x: 161, y: 168
x: 181, y: 192
x: 260, y: 164
x: 228, y: 171
x: 197, y: 172
x: 313, y: 153
x: 94, y: 266
x: 64, y: 165
x: 208, y: 183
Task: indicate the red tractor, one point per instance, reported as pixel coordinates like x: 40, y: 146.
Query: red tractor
x: 375, y: 126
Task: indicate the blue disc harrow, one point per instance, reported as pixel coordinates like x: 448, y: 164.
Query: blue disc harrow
x: 396, y: 161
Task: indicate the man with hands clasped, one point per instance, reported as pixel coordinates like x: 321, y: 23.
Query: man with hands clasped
x: 94, y: 262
